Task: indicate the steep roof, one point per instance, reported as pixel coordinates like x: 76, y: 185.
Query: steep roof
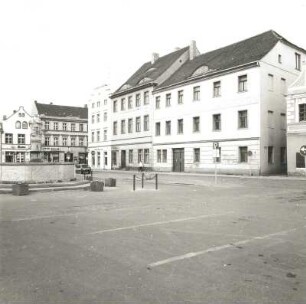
x: 61, y: 111
x: 240, y: 53
x: 152, y: 71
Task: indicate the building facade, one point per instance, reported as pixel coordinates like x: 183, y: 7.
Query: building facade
x: 64, y: 132
x: 99, y: 128
x: 296, y: 125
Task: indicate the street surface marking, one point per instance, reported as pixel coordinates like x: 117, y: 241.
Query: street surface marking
x: 160, y: 223
x: 41, y: 217
x: 217, y: 248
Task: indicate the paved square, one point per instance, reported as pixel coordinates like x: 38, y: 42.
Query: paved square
x: 241, y: 241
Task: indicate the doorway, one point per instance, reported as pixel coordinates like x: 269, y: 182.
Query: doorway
x: 178, y: 160
x: 123, y: 158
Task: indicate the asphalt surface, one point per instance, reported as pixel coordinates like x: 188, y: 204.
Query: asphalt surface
x: 191, y: 241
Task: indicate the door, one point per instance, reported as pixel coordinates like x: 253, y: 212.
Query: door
x: 178, y: 160
x: 123, y: 158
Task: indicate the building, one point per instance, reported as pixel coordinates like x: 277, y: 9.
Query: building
x: 296, y: 125
x: 132, y: 109
x: 16, y: 137
x: 64, y: 132
x: 99, y: 127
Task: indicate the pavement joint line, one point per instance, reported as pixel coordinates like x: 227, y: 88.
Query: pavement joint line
x: 217, y: 248
x: 159, y: 223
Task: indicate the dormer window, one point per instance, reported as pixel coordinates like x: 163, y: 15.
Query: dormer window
x: 279, y: 58
x: 145, y: 79
x: 125, y: 87
x: 201, y: 70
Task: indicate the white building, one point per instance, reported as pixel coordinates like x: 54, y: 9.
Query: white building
x: 99, y: 128
x: 16, y: 137
x: 296, y: 125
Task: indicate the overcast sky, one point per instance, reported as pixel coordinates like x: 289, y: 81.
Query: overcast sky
x: 59, y: 50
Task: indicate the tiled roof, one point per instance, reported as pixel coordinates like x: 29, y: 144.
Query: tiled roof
x: 153, y: 71
x: 240, y: 53
x: 61, y: 111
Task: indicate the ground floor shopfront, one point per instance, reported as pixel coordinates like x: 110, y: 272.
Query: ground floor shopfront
x: 296, y: 159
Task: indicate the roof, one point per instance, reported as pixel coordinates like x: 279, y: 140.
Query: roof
x: 250, y: 50
x: 151, y: 71
x: 61, y: 111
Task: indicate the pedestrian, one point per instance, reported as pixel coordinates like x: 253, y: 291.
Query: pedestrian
x: 140, y: 166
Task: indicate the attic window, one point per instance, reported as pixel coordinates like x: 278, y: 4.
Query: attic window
x: 151, y: 70
x: 125, y: 87
x: 143, y: 80
x: 201, y: 70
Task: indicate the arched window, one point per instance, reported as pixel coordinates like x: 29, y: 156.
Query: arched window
x: 201, y: 70
x: 18, y: 125
x: 24, y: 125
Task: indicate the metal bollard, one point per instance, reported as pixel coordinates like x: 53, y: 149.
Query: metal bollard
x: 142, y: 180
x: 134, y: 182
x: 156, y: 182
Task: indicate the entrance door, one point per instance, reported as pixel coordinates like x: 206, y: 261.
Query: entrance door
x: 123, y: 158
x: 178, y: 160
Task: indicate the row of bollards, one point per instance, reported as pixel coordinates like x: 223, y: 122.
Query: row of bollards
x: 142, y: 181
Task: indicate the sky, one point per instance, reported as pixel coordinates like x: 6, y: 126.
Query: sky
x: 60, y: 50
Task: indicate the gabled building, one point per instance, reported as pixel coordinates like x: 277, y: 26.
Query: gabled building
x: 296, y: 125
x: 132, y: 109
x: 227, y: 108
x: 64, y: 132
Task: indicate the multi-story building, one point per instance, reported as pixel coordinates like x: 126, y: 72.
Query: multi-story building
x: 132, y: 109
x: 16, y: 137
x: 296, y: 125
x: 99, y: 128
x: 64, y: 132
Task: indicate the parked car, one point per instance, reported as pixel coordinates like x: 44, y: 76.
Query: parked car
x: 82, y: 169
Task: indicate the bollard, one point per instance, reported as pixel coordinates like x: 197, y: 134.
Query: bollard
x: 20, y: 189
x: 110, y: 182
x: 97, y: 186
x: 156, y: 182
x: 134, y: 182
x: 142, y: 180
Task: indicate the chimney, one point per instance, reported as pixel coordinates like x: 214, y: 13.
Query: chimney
x: 85, y: 105
x: 14, y: 111
x: 155, y: 56
x: 4, y: 117
x: 176, y: 49
x: 51, y: 103
x: 192, y: 50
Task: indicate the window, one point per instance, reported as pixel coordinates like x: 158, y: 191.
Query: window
x: 242, y: 83
x: 270, y: 155
x: 137, y: 100
x: 64, y: 126
x: 73, y: 127
x: 157, y: 102
x: 146, y: 156
x: 98, y: 136
x: 55, y: 126
x: 168, y: 100
x: 122, y: 104
x: 21, y: 139
x: 104, y: 135
x: 217, y: 158
x: 93, y: 105
x: 21, y: 114
x: 196, y: 155
x: 302, y: 112
x: 130, y: 102
x: 55, y: 141
x: 130, y: 125
x: 283, y: 121
x: 283, y: 155
x: 196, y: 93
x: 18, y: 125
x: 105, y: 102
x: 146, y: 123
x: 270, y: 82
x: 146, y: 97
x: 157, y: 129
x: 243, y: 154
x: 98, y: 104
x: 168, y: 127
x: 130, y: 156
x: 298, y: 61
x: 81, y: 127
x: 159, y: 156
x: 47, y: 125
x: 139, y: 155
x: 216, y: 122
x: 47, y: 141
x: 217, y: 89
x: 180, y: 126
x: 64, y: 141
x: 279, y: 58
x: 300, y: 161
x: 105, y: 116
x: 164, y: 156
x: 98, y: 158
x: 115, y: 127
x: 138, y: 124
x: 242, y: 119
x: 98, y: 117
x: 72, y: 141
x: 24, y: 125
x: 20, y: 157
x: 196, y: 124
x: 122, y: 126
x: 8, y: 138
x: 270, y: 119
x: 283, y: 86
x: 93, y: 158
x: 92, y: 136
x: 180, y: 96
x: 115, y: 106
x: 93, y: 119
